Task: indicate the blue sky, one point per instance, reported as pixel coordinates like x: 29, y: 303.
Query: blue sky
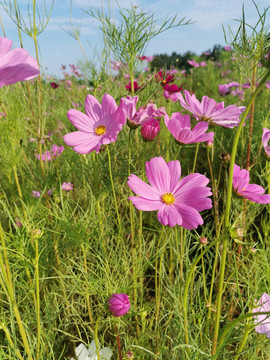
x: 58, y: 47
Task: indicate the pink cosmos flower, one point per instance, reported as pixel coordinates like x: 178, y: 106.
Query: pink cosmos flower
x: 203, y: 64
x: 180, y: 128
x: 193, y: 63
x: 171, y: 92
x: 164, y: 78
x: 211, y: 111
x: 248, y: 191
x: 143, y: 114
x: 267, y: 84
x: 118, y: 304
x: 67, y: 186
x: 265, y: 141
x: 262, y: 321
x: 52, y: 154
x: 227, y: 48
x: 207, y: 53
x: 36, y: 193
x: 99, y: 126
x: 177, y: 202
x: 150, y: 130
x: 224, y: 89
x: 15, y: 65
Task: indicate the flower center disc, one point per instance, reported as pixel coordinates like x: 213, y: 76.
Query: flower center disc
x: 100, y: 130
x: 168, y: 198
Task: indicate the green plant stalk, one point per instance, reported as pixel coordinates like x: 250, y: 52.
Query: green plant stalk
x: 195, y: 157
x: 227, y: 213
x: 118, y: 342
x: 157, y: 282
x: 113, y: 190
x: 204, y: 278
x: 9, y: 286
x: 7, y: 333
x: 37, y: 298
x: 96, y: 338
x: 14, y: 168
x: 243, y: 342
x: 89, y: 308
x: 189, y: 278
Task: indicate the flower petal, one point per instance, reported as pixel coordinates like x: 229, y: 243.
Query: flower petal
x: 158, y: 174
x: 81, y: 121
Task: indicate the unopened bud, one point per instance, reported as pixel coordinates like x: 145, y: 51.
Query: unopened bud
x: 130, y: 354
x: 203, y: 240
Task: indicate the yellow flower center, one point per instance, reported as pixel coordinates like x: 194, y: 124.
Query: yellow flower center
x: 100, y: 130
x: 168, y: 198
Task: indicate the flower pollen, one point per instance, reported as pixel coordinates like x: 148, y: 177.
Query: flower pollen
x: 100, y: 130
x: 168, y: 198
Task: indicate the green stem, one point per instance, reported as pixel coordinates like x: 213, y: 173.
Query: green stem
x: 37, y: 298
x: 157, y: 283
x: 192, y: 269
x: 113, y: 190
x: 227, y: 212
x: 195, y: 157
x: 96, y: 338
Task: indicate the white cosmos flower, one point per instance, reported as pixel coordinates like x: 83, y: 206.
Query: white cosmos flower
x: 82, y: 353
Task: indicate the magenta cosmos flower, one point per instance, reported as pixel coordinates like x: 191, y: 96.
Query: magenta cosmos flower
x: 180, y: 128
x: 211, y: 111
x: 262, y: 321
x: 193, y: 63
x: 118, y: 304
x: 141, y: 116
x: 177, y: 202
x: 150, y: 130
x: 99, y: 126
x: 15, y: 65
x: 248, y: 191
x: 265, y: 141
x: 171, y: 92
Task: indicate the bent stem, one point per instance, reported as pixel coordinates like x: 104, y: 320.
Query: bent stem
x: 113, y: 190
x: 227, y: 213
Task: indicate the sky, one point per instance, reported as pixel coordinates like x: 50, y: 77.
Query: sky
x: 58, y: 47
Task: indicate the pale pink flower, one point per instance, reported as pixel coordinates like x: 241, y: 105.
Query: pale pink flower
x: 15, y: 65
x: 193, y: 63
x: 36, y: 193
x: 227, y: 48
x: 98, y: 127
x: 180, y: 128
x: 267, y: 84
x: 262, y: 321
x: 223, y: 89
x: 178, y: 201
x: 143, y: 114
x: 203, y: 64
x: 265, y: 141
x: 67, y: 186
x: 211, y: 111
x: 248, y: 191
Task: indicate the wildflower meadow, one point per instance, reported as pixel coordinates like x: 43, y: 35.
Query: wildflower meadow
x: 135, y: 205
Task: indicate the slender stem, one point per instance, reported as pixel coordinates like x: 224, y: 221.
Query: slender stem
x: 96, y: 338
x: 7, y: 333
x: 253, y: 87
x: 157, y: 283
x: 37, y: 298
x: 89, y: 308
x: 113, y: 190
x: 189, y: 278
x: 195, y: 157
x: 243, y: 342
x: 227, y: 213
x: 118, y: 344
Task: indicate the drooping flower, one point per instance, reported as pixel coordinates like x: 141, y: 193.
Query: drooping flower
x: 193, y: 63
x: 262, y: 321
x: 67, y: 186
x: 150, y: 129
x: 118, y: 304
x: 265, y: 141
x: 98, y: 127
x: 178, y: 201
x: 141, y: 116
x: 82, y: 353
x: 180, y: 128
x: 15, y: 65
x: 171, y: 92
x: 248, y: 191
x: 211, y: 111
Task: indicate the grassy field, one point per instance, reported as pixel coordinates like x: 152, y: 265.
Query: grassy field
x: 70, y: 236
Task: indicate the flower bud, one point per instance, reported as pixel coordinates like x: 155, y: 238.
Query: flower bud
x: 150, y: 130
x: 118, y: 304
x: 203, y: 240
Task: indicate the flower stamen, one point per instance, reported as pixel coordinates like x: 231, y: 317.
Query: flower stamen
x: 168, y: 198
x: 100, y: 130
